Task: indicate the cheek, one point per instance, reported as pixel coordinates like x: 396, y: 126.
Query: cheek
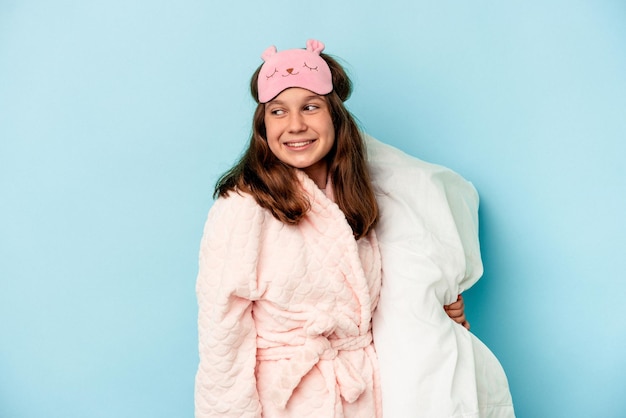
x: 330, y: 131
x: 271, y: 138
x: 273, y: 146
x: 271, y: 131
x: 328, y: 122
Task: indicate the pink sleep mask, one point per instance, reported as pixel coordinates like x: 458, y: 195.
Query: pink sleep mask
x: 303, y: 68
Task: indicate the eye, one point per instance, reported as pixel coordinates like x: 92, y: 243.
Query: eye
x: 271, y: 75
x: 311, y: 107
x: 310, y: 68
x: 277, y: 112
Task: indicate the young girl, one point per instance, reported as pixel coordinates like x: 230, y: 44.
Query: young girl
x: 290, y: 269
x: 289, y: 265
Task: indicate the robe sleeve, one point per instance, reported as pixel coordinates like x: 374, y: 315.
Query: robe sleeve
x: 225, y: 383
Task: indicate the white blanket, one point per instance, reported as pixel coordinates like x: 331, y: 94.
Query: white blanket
x: 430, y: 366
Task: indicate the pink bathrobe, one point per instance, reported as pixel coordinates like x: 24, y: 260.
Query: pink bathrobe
x: 285, y: 313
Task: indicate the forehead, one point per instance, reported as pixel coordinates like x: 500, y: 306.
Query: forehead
x: 296, y: 94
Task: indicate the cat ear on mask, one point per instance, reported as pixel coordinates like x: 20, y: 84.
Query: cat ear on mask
x: 315, y: 46
x: 268, y: 53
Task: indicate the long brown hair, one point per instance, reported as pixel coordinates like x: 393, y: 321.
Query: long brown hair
x: 274, y: 184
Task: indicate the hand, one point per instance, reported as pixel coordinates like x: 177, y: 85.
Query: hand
x: 456, y: 311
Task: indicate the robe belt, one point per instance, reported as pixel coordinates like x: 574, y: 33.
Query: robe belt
x: 294, y: 362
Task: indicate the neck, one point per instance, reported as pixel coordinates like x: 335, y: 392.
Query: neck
x: 318, y: 173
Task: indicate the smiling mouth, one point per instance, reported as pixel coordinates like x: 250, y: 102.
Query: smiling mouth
x: 299, y: 144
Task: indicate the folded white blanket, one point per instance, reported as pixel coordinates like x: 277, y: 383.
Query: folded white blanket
x: 430, y: 366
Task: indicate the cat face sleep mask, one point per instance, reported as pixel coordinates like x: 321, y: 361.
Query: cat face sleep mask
x: 303, y: 68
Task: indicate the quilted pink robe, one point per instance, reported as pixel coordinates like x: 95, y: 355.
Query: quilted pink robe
x: 285, y: 314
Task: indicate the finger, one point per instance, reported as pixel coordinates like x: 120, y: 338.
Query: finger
x: 458, y: 305
x: 455, y: 313
x: 453, y: 308
x: 460, y: 319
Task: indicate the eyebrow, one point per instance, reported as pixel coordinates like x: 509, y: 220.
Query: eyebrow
x: 306, y: 99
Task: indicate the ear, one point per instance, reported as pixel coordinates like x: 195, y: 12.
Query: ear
x: 315, y: 46
x: 268, y: 53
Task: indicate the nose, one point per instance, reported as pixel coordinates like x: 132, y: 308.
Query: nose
x: 290, y: 70
x: 296, y: 122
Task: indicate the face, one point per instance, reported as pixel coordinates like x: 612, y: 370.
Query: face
x: 300, y: 131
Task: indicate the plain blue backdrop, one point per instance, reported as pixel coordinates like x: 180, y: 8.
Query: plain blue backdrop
x: 116, y: 117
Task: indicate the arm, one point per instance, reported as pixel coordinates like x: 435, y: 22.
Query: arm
x: 456, y: 311
x: 225, y: 380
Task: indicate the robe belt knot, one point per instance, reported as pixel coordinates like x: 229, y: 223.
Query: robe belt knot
x: 297, y: 361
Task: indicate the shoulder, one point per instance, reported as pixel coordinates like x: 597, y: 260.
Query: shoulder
x: 233, y: 214
x: 234, y: 202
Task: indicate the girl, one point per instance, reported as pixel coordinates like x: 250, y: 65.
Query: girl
x: 290, y: 269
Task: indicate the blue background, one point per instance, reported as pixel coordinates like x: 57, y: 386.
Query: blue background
x: 116, y: 117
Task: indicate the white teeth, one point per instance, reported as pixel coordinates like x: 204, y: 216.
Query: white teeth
x: 298, y: 144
